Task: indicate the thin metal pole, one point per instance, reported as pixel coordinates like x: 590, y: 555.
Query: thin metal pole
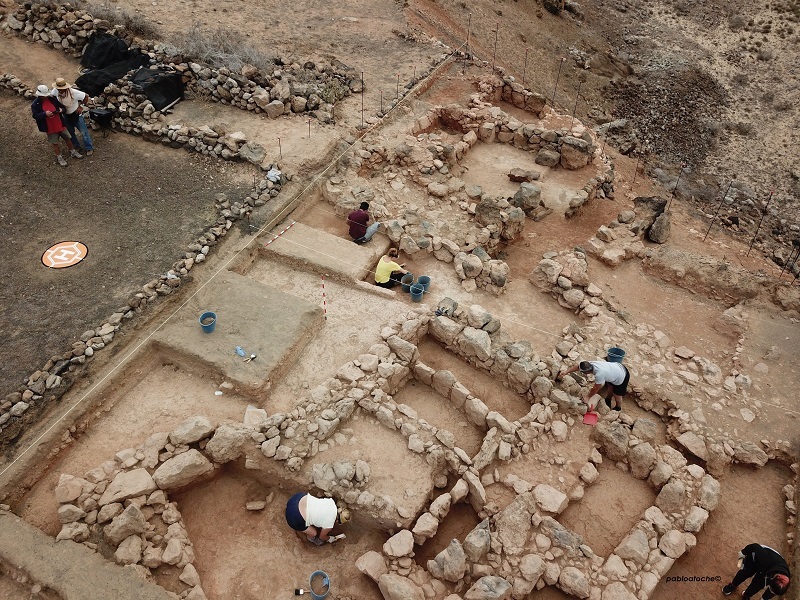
x: 677, y: 181
x: 415, y: 75
x: 636, y: 167
x: 362, y: 98
x: 525, y: 67
x: 309, y: 129
x: 555, y: 87
x: 790, y: 261
x: 280, y: 152
x: 397, y: 94
x: 761, y: 220
x: 494, y: 56
x: 381, y: 101
x: 575, y: 109
x: 466, y: 46
x: 714, y: 218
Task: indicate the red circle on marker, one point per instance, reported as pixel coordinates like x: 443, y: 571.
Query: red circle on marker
x: 64, y: 254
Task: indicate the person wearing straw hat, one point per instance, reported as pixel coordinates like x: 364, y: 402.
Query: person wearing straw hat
x: 49, y: 115
x: 610, y: 378
x: 74, y: 102
x: 767, y: 568
x: 315, y: 517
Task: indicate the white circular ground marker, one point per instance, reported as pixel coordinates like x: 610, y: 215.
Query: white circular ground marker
x: 64, y: 254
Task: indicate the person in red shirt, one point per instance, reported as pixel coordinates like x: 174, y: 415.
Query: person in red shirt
x: 358, y: 220
x: 49, y: 115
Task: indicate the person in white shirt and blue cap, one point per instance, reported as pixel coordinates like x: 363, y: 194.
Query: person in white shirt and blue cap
x: 610, y: 378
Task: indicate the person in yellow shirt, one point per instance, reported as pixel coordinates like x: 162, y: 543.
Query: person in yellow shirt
x: 388, y: 272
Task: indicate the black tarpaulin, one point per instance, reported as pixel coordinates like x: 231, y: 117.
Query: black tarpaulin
x: 94, y: 82
x: 162, y: 88
x: 104, y: 49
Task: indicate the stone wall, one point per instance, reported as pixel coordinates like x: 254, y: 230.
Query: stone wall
x: 292, y: 88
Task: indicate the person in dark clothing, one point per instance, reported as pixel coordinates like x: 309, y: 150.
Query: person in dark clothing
x: 767, y: 568
x: 49, y: 115
x: 358, y: 220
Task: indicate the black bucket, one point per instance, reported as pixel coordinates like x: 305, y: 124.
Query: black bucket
x: 102, y: 116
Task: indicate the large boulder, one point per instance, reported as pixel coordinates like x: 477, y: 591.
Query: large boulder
x: 182, y: 470
x: 128, y: 484
x: 528, y: 197
x: 399, y: 545
x: 451, y: 562
x: 660, y: 230
x: 395, y: 587
x: 191, y: 430
x: 574, y: 582
x: 478, y: 541
x: 634, y: 547
x: 372, y: 565
x: 489, y: 587
x: 613, y: 439
x: 228, y: 442
x: 575, y: 152
x: 131, y: 522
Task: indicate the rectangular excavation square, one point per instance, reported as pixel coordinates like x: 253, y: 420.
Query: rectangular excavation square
x: 260, y: 319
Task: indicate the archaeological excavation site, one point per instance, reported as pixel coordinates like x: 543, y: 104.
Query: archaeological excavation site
x: 557, y: 191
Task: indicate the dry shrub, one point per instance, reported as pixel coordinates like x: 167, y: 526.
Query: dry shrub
x: 221, y: 48
x: 131, y: 21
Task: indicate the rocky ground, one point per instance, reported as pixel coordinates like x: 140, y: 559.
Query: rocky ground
x: 706, y: 339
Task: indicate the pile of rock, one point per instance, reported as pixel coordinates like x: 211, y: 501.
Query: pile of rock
x: 64, y: 27
x: 564, y: 276
x: 289, y: 89
x: 122, y: 508
x: 622, y: 239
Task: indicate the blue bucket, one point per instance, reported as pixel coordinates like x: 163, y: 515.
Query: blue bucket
x: 208, y: 320
x: 615, y: 355
x: 325, y: 582
x: 424, y: 281
x: 406, y: 282
x: 416, y: 292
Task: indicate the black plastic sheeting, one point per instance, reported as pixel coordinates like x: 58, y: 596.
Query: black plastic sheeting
x: 162, y: 88
x: 104, y: 49
x: 94, y: 82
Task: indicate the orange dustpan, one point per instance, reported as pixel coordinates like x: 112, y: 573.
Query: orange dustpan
x: 590, y: 418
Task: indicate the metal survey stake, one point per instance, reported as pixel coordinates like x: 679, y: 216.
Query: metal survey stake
x: 466, y: 45
x: 525, y: 66
x: 760, y: 221
x: 555, y: 87
x: 494, y: 56
x: 577, y: 96
x: 714, y: 218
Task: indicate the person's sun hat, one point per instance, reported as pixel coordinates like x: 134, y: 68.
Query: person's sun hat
x: 42, y: 91
x: 61, y: 84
